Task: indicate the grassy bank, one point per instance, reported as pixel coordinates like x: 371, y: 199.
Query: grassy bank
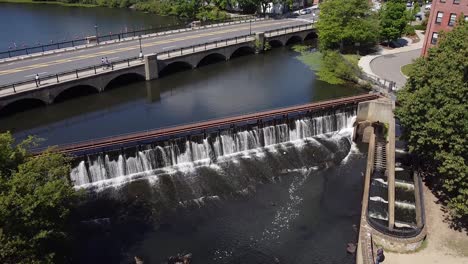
x: 47, y: 2
x: 406, y: 69
x: 330, y: 67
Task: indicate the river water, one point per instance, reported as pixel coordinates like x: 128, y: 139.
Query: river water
x: 242, y: 85
x: 29, y: 24
x: 295, y: 201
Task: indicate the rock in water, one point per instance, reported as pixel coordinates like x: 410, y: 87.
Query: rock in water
x: 351, y: 248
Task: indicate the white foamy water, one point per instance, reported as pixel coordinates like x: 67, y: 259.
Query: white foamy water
x: 181, y: 155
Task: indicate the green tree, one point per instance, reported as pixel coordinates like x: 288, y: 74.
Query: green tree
x: 434, y: 112
x: 36, y: 198
x: 346, y: 22
x: 393, y: 20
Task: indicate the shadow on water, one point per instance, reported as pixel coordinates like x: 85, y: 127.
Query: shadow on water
x: 21, y: 106
x: 75, y: 92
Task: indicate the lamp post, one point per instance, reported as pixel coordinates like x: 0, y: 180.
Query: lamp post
x: 141, y: 51
x: 250, y: 26
x: 139, y: 40
x: 97, y: 37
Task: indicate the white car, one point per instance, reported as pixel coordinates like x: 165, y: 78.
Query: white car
x: 428, y: 7
x: 305, y: 11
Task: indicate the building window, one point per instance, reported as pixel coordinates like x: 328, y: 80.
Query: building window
x: 453, y: 18
x: 456, y: 2
x: 435, y: 35
x: 439, y: 17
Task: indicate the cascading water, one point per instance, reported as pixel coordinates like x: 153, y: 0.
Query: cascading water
x: 101, y: 167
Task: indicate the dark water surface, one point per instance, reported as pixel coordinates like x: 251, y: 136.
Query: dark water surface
x: 242, y: 85
x: 30, y: 24
x: 296, y: 202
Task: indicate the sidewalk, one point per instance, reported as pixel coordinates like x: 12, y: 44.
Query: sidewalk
x: 386, y: 63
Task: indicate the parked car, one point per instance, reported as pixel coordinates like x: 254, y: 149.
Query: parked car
x: 428, y: 6
x: 409, y: 4
x: 419, y: 16
x: 305, y: 11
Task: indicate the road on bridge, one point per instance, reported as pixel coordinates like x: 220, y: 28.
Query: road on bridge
x: 26, y: 69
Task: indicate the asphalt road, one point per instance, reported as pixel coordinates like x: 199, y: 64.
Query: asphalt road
x: 26, y: 69
x: 389, y: 66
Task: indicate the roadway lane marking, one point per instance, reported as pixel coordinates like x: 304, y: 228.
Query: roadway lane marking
x: 113, y: 58
x: 170, y: 47
x: 31, y: 75
x: 108, y: 52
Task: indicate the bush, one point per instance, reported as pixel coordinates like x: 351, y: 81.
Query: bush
x: 409, y: 30
x: 336, y: 70
x: 420, y: 27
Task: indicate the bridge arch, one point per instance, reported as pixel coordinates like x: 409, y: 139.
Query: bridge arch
x: 123, y: 79
x: 294, y: 39
x: 174, y: 67
x: 74, y: 92
x: 211, y: 58
x: 311, y: 35
x: 275, y: 43
x: 21, y: 105
x: 242, y: 51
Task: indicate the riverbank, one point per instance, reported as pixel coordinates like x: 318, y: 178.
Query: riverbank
x: 47, y: 2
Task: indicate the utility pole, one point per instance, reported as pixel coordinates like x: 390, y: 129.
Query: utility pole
x: 97, y: 37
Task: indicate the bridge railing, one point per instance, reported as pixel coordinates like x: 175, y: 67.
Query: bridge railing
x: 70, y: 75
x: 147, y: 32
x: 205, y: 46
x: 133, y: 61
x: 285, y: 30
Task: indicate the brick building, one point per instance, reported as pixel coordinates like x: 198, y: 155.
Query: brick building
x: 444, y: 15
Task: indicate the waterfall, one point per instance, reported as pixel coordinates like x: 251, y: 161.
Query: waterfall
x: 133, y: 161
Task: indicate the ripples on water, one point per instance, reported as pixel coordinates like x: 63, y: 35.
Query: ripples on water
x: 284, y: 201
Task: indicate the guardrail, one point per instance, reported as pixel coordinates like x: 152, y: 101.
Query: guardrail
x: 285, y: 30
x: 148, y: 32
x: 73, y: 74
x: 387, y: 85
x: 134, y: 61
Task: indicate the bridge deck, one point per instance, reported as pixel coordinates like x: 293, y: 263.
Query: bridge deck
x: 135, y: 138
x: 26, y: 69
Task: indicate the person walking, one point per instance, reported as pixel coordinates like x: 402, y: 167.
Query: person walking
x: 38, y: 80
x: 107, y: 63
x: 380, y: 256
x: 103, y: 63
x: 140, y: 55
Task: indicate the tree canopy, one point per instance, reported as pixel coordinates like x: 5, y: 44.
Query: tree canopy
x: 346, y: 22
x: 36, y: 199
x: 393, y: 20
x: 434, y: 112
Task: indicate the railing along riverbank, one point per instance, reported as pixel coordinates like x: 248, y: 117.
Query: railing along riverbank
x: 53, y: 47
x: 96, y: 69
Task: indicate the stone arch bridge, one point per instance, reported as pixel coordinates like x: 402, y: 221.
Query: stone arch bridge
x: 152, y: 67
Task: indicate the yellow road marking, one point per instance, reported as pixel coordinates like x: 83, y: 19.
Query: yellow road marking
x: 133, y: 47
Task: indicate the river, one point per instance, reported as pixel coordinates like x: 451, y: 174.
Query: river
x: 295, y: 202
x: 26, y: 25
x: 242, y: 85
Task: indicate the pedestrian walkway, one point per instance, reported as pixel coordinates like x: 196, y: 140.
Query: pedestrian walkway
x: 386, y: 63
